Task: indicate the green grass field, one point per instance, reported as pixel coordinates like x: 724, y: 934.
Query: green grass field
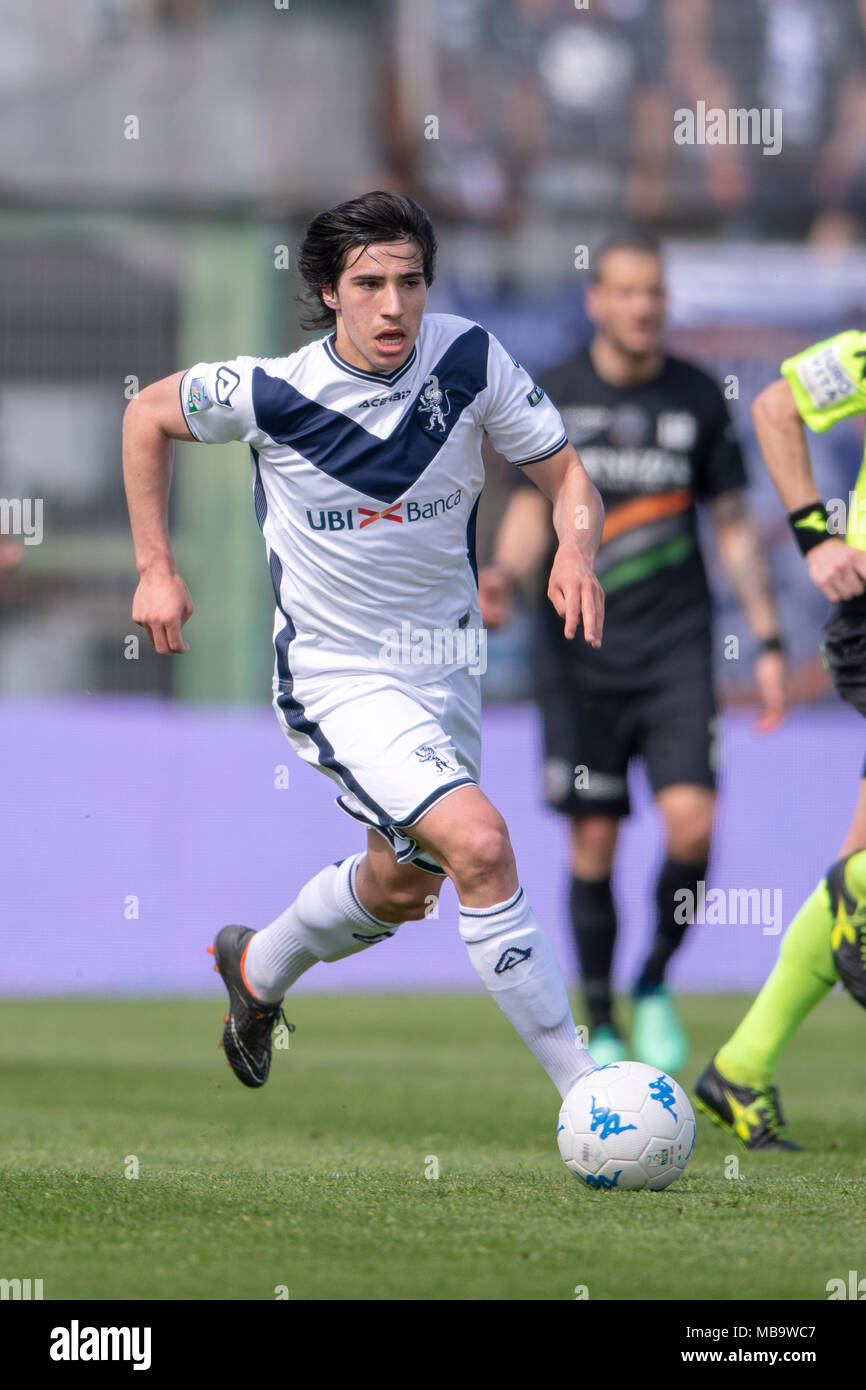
x: 317, y: 1183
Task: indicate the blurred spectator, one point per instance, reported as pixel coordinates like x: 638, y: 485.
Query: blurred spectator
x: 11, y: 555
x: 807, y: 59
x: 543, y: 116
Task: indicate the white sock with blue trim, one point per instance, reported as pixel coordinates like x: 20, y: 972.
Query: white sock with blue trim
x: 325, y: 922
x: 518, y: 966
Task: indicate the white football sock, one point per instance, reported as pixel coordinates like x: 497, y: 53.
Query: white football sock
x: 325, y: 922
x: 518, y: 966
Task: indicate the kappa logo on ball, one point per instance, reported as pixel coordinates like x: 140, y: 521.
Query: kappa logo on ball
x: 601, y: 1182
x: 513, y: 956
x: 662, y: 1090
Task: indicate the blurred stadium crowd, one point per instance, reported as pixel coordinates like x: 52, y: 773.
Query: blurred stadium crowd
x: 545, y: 107
x: 570, y: 109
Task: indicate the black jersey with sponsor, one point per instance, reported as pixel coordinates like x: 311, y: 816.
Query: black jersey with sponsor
x: 652, y: 451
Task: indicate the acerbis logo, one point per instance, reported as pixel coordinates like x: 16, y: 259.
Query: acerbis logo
x: 344, y: 518
x: 384, y: 400
x: 513, y: 956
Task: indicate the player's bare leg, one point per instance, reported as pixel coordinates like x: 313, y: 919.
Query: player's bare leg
x: 688, y: 813
x: 394, y: 892
x: 508, y: 948
x: 593, y: 925
x: 593, y: 843
x: 347, y: 907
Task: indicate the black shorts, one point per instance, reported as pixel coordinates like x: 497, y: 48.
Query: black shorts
x: 590, y: 738
x: 844, y: 651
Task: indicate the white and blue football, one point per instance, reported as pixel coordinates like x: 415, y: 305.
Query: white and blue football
x: 626, y: 1126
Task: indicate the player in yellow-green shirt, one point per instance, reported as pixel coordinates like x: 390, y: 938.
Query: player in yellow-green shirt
x: 826, y: 941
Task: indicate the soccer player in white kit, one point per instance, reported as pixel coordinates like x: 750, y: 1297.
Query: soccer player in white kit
x: 366, y: 473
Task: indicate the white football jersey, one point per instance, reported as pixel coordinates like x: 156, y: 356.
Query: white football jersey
x: 366, y: 487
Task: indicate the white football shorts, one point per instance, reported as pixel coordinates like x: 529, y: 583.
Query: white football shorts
x: 395, y: 749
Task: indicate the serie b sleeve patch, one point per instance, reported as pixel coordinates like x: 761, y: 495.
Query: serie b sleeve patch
x: 198, y: 398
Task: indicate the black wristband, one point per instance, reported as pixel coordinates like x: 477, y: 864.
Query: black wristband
x: 770, y: 644
x: 809, y: 525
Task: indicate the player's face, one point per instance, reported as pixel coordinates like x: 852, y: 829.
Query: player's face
x: 379, y: 300
x: 628, y: 303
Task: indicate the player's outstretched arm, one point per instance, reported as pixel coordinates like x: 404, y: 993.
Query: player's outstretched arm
x: 151, y: 421
x: 835, y: 568
x: 578, y: 516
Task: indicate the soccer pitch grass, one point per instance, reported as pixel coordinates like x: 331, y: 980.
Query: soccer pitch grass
x: 317, y: 1182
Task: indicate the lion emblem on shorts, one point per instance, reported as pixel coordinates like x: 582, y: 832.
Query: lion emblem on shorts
x: 428, y: 754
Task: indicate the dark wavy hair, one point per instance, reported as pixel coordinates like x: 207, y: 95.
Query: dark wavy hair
x: 377, y: 217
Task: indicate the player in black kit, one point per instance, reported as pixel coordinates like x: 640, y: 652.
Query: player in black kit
x: 656, y: 438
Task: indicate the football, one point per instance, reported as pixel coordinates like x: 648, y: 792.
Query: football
x: 626, y: 1125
